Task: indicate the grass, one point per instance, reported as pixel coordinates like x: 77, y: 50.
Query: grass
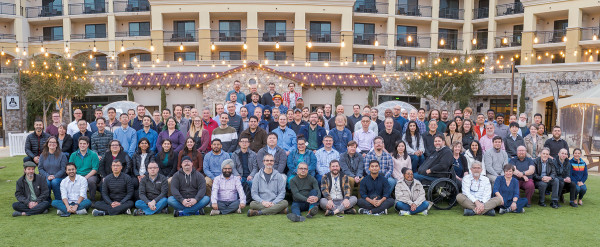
x: 537, y: 227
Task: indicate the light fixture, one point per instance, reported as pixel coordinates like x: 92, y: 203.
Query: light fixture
x: 442, y: 42
x: 212, y: 46
x: 17, y: 48
x: 245, y: 46
x: 181, y: 46
x: 151, y: 46
x: 505, y: 40
x: 66, y: 48
x: 42, y: 49
x: 309, y: 45
x: 595, y: 37
x: 564, y: 39
x: 474, y: 41
x: 535, y: 40
x: 409, y: 38
x: 376, y: 43
x: 122, y: 46
x: 277, y: 45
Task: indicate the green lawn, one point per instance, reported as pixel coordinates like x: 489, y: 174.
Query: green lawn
x: 537, y: 227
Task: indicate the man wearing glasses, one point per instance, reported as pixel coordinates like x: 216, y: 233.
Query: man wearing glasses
x: 476, y: 194
x: 153, y: 192
x: 72, y: 127
x: 268, y: 190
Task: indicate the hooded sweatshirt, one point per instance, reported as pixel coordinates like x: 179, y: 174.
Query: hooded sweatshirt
x: 188, y: 186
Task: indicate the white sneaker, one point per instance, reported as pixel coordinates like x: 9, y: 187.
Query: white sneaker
x: 404, y: 213
x: 214, y: 212
x: 58, y: 212
x: 81, y: 211
x: 424, y: 212
x: 384, y: 212
x: 128, y: 211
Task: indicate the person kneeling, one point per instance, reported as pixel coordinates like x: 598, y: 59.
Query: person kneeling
x: 337, y: 192
x: 507, y: 189
x: 373, y: 188
x: 188, y: 189
x: 268, y: 190
x: 117, y: 192
x: 153, y: 192
x: 306, y: 194
x: 73, y: 192
x: 227, y: 191
x: 476, y: 191
x: 410, y: 195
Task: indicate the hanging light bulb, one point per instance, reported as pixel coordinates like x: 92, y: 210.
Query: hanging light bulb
x: 376, y: 43
x: 122, y: 48
x: 535, y: 40
x: 595, y: 37
x: 181, y: 46
x: 277, y: 45
x: 91, y: 56
x: 2, y: 53
x: 95, y: 49
x: 212, y: 46
x: 42, y: 49
x: 474, y: 41
x: 409, y: 38
x: 442, y: 42
x: 66, y: 49
x: 505, y: 40
x: 309, y: 45
x: 342, y: 44
x: 17, y: 48
x: 245, y: 46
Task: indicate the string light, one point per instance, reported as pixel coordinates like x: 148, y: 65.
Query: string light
x: 277, y: 45
x: 95, y: 49
x: 245, y: 46
x: 535, y: 40
x: 151, y: 46
x: 474, y: 41
x: 122, y: 46
x: 181, y: 46
x: 376, y: 42
x: 442, y: 42
x: 409, y: 38
x: 309, y: 45
x: 212, y: 46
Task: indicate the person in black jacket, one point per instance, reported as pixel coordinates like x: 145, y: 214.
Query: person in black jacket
x: 389, y: 134
x: 117, y: 192
x: 166, y: 159
x: 438, y: 164
x: 65, y: 140
x: 28, y: 203
x: 459, y: 161
x: 116, y: 152
x: 153, y: 192
x: 35, y: 142
x: 142, y: 157
x: 563, y: 174
x: 545, y: 176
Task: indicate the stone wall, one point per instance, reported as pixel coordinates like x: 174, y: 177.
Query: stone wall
x: 13, y: 120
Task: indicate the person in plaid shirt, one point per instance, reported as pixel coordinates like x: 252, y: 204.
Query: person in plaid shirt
x: 337, y: 195
x: 385, y: 161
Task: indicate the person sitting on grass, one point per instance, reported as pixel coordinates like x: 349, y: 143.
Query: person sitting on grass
x: 545, y: 176
x: 188, y: 189
x: 32, y: 193
x: 268, y: 190
x: 117, y: 192
x: 337, y: 192
x: 73, y: 194
x: 152, y: 192
x: 410, y: 195
x: 374, y: 190
x: 579, y: 174
x: 507, y: 189
x: 305, y: 194
x: 476, y: 191
x: 227, y: 192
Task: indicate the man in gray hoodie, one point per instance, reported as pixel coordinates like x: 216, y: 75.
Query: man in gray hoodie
x: 188, y: 189
x: 268, y: 190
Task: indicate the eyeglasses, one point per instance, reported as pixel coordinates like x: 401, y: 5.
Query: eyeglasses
x: 52, y: 142
x: 303, y: 169
x: 115, y: 145
x: 268, y: 160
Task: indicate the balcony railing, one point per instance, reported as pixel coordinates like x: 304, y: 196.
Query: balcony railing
x: 544, y: 37
x: 8, y: 36
x: 413, y: 40
x: 88, y: 8
x: 44, y: 11
x: 181, y: 36
x: 37, y: 39
x: 590, y: 33
x: 481, y: 44
x: 509, y: 9
x: 7, y: 8
x: 413, y: 10
x: 132, y: 34
x: 451, y: 13
x: 323, y: 37
x: 276, y: 58
x: 276, y: 36
x: 510, y: 40
x: 481, y: 13
x: 370, y: 39
x: 96, y: 35
x: 371, y: 7
x: 452, y: 44
x: 228, y: 35
x: 131, y: 6
x: 8, y: 70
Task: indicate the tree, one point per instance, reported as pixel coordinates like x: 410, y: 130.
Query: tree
x: 53, y: 81
x: 448, y: 81
x: 163, y: 98
x: 522, y: 96
x: 370, y: 97
x: 338, y: 97
x: 130, y: 96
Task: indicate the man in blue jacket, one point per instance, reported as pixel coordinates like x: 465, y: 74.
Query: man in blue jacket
x: 313, y: 133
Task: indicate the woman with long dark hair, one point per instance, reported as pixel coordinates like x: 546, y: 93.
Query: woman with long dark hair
x: 142, y: 157
x: 190, y: 150
x: 468, y: 135
x: 452, y: 134
x: 52, y: 166
x: 415, y: 147
x: 401, y: 159
x: 166, y: 159
x: 475, y: 153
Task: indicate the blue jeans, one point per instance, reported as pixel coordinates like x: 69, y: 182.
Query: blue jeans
x: 54, y: 186
x: 416, y: 161
x: 521, y: 202
x: 60, y: 205
x: 420, y: 177
x: 298, y: 207
x: 580, y: 191
x: 392, y: 183
x: 174, y: 203
x: 228, y: 207
x: 405, y: 207
x: 160, y: 205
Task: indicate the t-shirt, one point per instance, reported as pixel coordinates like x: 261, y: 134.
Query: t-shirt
x: 33, y: 197
x: 268, y: 177
x: 142, y: 164
x: 522, y: 166
x: 312, y: 139
x: 336, y: 192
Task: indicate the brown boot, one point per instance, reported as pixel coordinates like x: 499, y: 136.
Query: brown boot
x: 252, y: 212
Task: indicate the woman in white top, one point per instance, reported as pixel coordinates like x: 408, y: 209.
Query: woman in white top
x: 415, y: 146
x: 401, y: 160
x: 142, y: 157
x: 474, y: 153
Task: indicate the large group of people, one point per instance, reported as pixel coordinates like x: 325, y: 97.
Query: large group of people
x: 257, y: 150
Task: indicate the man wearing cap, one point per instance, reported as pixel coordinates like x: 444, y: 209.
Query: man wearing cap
x: 277, y: 103
x: 117, y: 192
x: 298, y: 123
x: 188, y: 189
x: 73, y: 192
x: 227, y: 192
x: 32, y: 193
x: 153, y: 191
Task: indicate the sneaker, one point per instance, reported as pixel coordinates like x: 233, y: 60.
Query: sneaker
x: 554, y: 204
x: 522, y: 210
x: 252, y: 212
x: 504, y: 210
x: 329, y: 213
x: 138, y: 212
x: 45, y: 211
x: 97, y: 212
x: 384, y: 212
x: 81, y: 212
x: 67, y: 214
x: 285, y: 211
x: 177, y: 213
x: 165, y: 211
x: 350, y: 211
x: 312, y: 212
x: 542, y: 204
x: 424, y: 213
x: 201, y: 212
x: 363, y: 211
x: 295, y: 218
x: 491, y: 212
x: 239, y: 211
x: 214, y: 212
x: 58, y: 212
x: 403, y: 213
x: 573, y: 204
x: 128, y: 211
x: 16, y: 213
x: 468, y: 212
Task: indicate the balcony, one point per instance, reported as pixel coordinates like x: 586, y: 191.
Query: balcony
x: 97, y: 35
x: 181, y: 36
x: 509, y: 9
x: 413, y: 40
x: 88, y: 8
x: 131, y: 6
x: 452, y: 44
x: 132, y: 34
x: 413, y: 10
x: 481, y: 13
x: 276, y: 36
x: 39, y: 39
x: 44, y: 11
x: 370, y: 39
x: 5, y: 36
x: 545, y: 37
x: 510, y: 40
x: 228, y: 35
x: 451, y: 13
x: 7, y: 9
x: 371, y: 7
x: 8, y: 70
x: 480, y: 45
x: 590, y: 33
x: 323, y: 37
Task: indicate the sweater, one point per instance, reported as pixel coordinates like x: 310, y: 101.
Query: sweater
x: 258, y: 139
x: 326, y: 186
x: 85, y: 164
x: 177, y: 139
x: 67, y: 144
x: 212, y: 163
x: 128, y: 139
x: 579, y: 171
x: 439, y: 162
x: 53, y: 165
x: 494, y: 161
x: 301, y: 188
x: 117, y: 189
x: 235, y: 122
x: 511, y: 145
x: 398, y: 165
x: 228, y: 137
x: 556, y: 145
x: 185, y: 186
x: 272, y: 191
x: 101, y: 141
x: 353, y: 166
x: 197, y: 160
x: 169, y: 167
x: 509, y: 192
x: 202, y: 142
x: 416, y: 144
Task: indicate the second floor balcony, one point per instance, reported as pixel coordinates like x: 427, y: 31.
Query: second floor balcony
x: 590, y: 33
x: 276, y: 36
x: 133, y: 34
x: 509, y: 9
x: 370, y: 39
x: 181, y: 36
x: 450, y: 44
x: 7, y: 9
x: 481, y: 13
x: 323, y: 36
x: 413, y: 10
x: 131, y: 6
x: 91, y: 35
x: 48, y: 10
x: 452, y: 13
x: 88, y: 8
x: 480, y: 44
x: 508, y: 40
x: 5, y: 36
x: 545, y: 37
x: 373, y: 7
x: 38, y: 39
x: 413, y: 40
x: 228, y: 35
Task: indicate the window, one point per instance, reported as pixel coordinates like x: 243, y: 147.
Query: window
x: 319, y: 56
x: 503, y: 106
x: 139, y: 29
x: 53, y: 33
x: 230, y: 31
x: 185, y: 56
x: 517, y: 34
x: 365, y: 6
x: 275, y: 55
x: 141, y: 57
x: 406, y: 63
x: 450, y: 38
x: 274, y: 31
x: 449, y: 9
x: 364, y: 33
x: 184, y: 29
x: 482, y: 37
x: 94, y: 6
x: 93, y: 31
x: 99, y: 62
x: 560, y: 30
x: 52, y: 7
x: 359, y: 57
x: 320, y: 31
x: 402, y: 33
x: 230, y: 55
x: 557, y: 58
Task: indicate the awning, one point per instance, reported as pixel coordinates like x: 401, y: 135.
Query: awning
x: 589, y: 96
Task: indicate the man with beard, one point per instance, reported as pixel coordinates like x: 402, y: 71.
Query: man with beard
x: 556, y: 143
x: 239, y: 96
x: 437, y: 164
x: 254, y: 103
x: 397, y: 110
x: 476, y: 194
x: 313, y: 133
x: 337, y: 192
x: 212, y: 162
x: 72, y: 127
x: 153, y: 192
x: 274, y: 121
x: 227, y: 192
x: 32, y: 193
x: 374, y: 191
x: 291, y: 97
x: 35, y: 142
x: 256, y: 135
x: 267, y: 98
x: 523, y: 124
x: 299, y: 104
x: 188, y: 189
x: 305, y: 194
x: 253, y: 90
x: 268, y: 190
x: 117, y: 192
x: 298, y: 123
x: 73, y: 194
x: 545, y: 176
x: 234, y: 120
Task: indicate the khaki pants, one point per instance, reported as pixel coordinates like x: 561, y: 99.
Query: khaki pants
x: 209, y: 183
x: 275, y: 209
x: 352, y: 184
x: 466, y: 203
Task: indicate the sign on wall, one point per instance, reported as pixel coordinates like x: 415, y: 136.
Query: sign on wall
x: 12, y: 102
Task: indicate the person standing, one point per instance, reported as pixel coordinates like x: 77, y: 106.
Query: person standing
x: 72, y: 127
x: 35, y: 141
x: 82, y: 132
x: 101, y: 138
x: 290, y: 97
x: 126, y: 135
x: 241, y: 97
x: 52, y: 129
x: 148, y: 132
x: 267, y: 98
x: 256, y: 135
